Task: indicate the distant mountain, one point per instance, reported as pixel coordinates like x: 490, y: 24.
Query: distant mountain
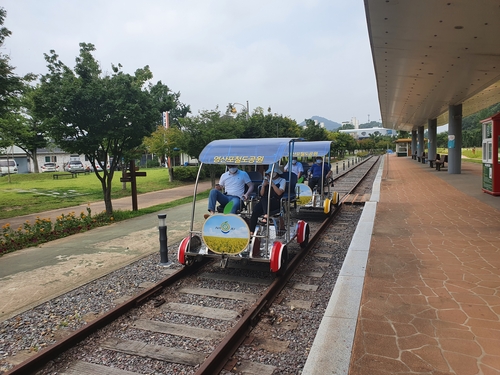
x: 329, y: 125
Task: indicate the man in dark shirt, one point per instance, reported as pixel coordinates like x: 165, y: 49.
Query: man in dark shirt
x: 317, y: 170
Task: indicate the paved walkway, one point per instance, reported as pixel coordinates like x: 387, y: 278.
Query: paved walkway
x: 143, y: 200
x: 34, y: 275
x: 431, y: 297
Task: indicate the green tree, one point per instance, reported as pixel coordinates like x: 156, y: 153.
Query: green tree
x: 260, y: 125
x: 342, y: 143
x: 403, y: 134
x: 314, y: 132
x: 347, y: 127
x: 100, y: 116
x: 163, y: 143
x: 371, y: 124
x: 166, y: 100
x: 10, y: 85
x: 442, y: 140
x: 198, y: 131
x: 26, y: 130
x: 367, y: 144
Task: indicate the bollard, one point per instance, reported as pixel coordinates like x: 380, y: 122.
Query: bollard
x: 348, y: 163
x: 343, y: 165
x: 337, y: 168
x: 162, y: 229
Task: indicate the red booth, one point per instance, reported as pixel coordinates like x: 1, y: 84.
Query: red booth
x: 491, y: 151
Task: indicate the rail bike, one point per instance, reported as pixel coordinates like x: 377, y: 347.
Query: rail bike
x: 227, y: 236
x: 319, y: 198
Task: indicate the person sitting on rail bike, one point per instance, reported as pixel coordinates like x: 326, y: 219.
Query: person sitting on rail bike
x: 233, y: 181
x: 316, y: 171
x: 278, y: 185
x: 297, y: 167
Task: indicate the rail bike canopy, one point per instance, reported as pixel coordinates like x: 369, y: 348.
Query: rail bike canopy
x: 252, y: 151
x: 311, y: 148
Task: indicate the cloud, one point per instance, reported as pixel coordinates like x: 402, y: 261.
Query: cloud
x: 299, y: 57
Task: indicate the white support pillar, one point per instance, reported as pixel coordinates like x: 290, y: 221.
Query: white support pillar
x: 455, y: 139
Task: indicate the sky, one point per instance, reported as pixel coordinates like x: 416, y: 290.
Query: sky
x: 301, y: 58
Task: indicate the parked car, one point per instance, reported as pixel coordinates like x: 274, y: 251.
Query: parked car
x: 49, y: 167
x: 96, y: 167
x: 7, y: 166
x: 74, y: 167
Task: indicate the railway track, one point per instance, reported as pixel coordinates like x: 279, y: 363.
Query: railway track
x: 205, y: 319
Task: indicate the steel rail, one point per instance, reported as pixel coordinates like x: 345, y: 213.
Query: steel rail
x: 214, y: 363
x: 357, y: 183
x: 43, y: 357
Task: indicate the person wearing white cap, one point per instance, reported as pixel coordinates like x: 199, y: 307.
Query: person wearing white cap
x: 277, y: 185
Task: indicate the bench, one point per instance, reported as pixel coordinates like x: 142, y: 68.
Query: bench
x: 440, y: 162
x: 431, y: 162
x: 421, y: 158
x: 56, y: 176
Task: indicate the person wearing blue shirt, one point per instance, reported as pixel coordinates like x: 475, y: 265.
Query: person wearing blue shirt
x: 317, y: 170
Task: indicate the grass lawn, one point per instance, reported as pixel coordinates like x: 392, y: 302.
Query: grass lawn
x: 38, y: 192
x: 468, y: 154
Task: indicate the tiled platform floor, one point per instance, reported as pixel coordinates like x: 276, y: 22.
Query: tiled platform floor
x: 431, y: 299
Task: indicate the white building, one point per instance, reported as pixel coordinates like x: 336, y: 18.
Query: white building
x: 365, y: 133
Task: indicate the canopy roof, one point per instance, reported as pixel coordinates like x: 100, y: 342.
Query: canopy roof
x: 246, y: 151
x: 311, y: 148
x: 431, y: 54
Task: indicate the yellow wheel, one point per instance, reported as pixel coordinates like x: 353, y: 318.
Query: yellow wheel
x: 327, y: 204
x: 335, y: 198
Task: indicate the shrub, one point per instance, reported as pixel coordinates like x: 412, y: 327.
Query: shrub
x: 362, y: 154
x: 43, y: 230
x: 152, y: 163
x: 185, y: 173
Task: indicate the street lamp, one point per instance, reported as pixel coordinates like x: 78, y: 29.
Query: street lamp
x: 247, y: 108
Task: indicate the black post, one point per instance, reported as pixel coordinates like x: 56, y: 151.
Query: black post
x: 337, y: 168
x: 343, y: 165
x: 133, y: 186
x: 162, y: 228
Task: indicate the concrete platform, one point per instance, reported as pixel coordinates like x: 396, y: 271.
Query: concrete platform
x: 431, y: 295
x: 419, y: 292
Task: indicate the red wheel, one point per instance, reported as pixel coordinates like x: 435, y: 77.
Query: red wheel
x: 302, y: 233
x: 181, y: 253
x: 191, y: 245
x: 279, y: 258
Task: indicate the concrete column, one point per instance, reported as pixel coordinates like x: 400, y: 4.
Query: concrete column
x: 432, y: 129
x: 413, y: 142
x: 421, y: 145
x: 455, y: 145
